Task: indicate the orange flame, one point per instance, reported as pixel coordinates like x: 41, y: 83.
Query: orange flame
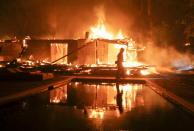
x: 100, y: 32
x: 130, y: 55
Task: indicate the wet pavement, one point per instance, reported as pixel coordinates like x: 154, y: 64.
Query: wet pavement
x: 95, y: 107
x: 181, y: 85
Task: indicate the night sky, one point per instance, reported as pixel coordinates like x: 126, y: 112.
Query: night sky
x: 163, y: 21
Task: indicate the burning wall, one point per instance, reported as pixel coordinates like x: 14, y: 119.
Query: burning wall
x: 95, y: 52
x: 86, y: 55
x: 58, y: 50
x: 9, y: 51
x: 39, y: 50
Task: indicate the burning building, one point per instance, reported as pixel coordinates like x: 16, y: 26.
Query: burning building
x: 100, y: 46
x: 82, y: 51
x: 97, y: 48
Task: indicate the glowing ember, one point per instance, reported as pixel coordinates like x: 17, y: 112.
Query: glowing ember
x: 120, y: 35
x: 97, y: 113
x: 131, y: 64
x: 145, y: 72
x: 99, y: 62
x: 120, y: 46
x: 187, y: 44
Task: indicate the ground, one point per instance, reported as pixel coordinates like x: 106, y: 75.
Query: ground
x: 181, y: 85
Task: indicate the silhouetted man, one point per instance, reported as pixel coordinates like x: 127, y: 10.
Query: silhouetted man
x: 120, y: 71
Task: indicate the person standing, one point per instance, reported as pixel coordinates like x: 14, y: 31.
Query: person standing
x: 120, y: 68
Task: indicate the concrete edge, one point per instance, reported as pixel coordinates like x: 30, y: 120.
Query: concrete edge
x: 183, y: 104
x: 14, y: 97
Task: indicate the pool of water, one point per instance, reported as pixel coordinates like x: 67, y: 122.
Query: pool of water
x: 95, y: 107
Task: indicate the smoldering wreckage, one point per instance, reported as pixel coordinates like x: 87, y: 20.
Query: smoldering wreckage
x: 95, y: 54
x: 90, y: 57
x: 41, y: 58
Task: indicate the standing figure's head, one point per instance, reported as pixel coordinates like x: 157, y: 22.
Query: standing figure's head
x: 122, y: 50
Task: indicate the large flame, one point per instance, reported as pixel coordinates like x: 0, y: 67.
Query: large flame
x: 130, y: 53
x: 100, y: 32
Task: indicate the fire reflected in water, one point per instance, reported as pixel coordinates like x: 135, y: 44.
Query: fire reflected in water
x: 58, y: 95
x: 100, y: 100
x: 97, y: 113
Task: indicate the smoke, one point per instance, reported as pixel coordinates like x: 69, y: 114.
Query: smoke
x: 116, y: 17
x: 73, y: 19
x: 100, y: 12
x: 59, y: 18
x: 70, y: 19
x: 167, y: 57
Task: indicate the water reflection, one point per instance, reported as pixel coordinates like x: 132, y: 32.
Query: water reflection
x: 59, y: 95
x: 97, y: 100
x: 119, y: 98
x: 105, y: 106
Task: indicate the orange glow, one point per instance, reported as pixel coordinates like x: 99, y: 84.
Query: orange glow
x: 100, y: 31
x: 152, y: 70
x: 130, y: 54
x: 106, y: 100
x: 145, y: 72
x: 187, y: 44
x: 131, y: 64
x: 130, y: 95
x: 58, y: 50
x: 99, y: 62
x: 97, y: 113
x: 58, y: 95
x: 120, y: 35
x: 120, y: 46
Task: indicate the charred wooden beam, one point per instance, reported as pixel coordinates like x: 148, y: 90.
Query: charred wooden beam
x: 114, y: 41
x: 65, y: 41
